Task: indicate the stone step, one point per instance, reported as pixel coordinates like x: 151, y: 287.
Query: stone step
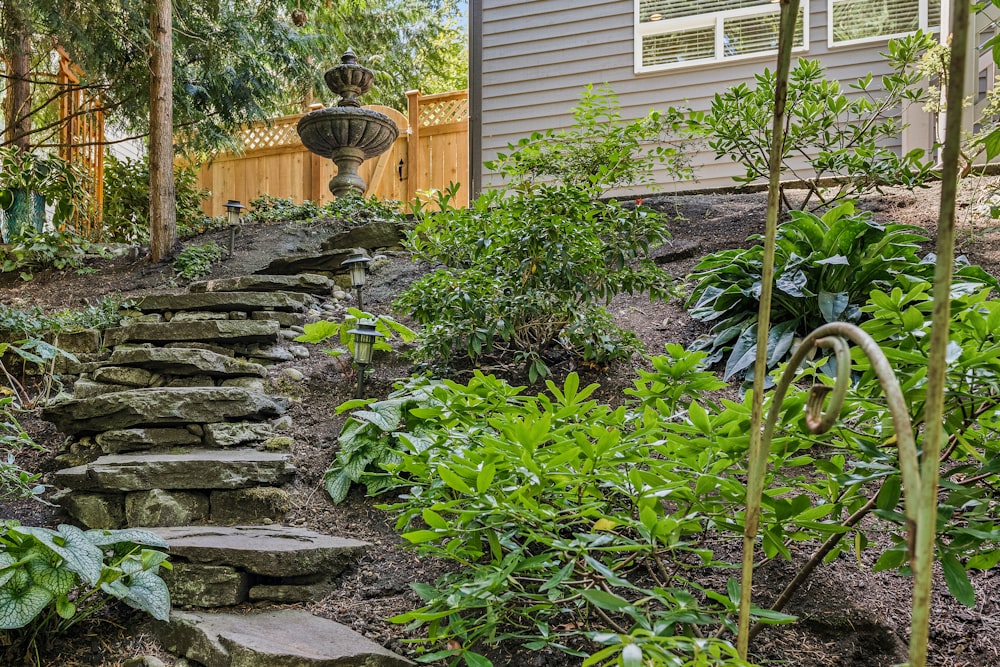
x: 224, y: 332
x: 216, y: 566
x: 199, y: 469
x: 184, y: 361
x: 161, y: 406
x: 378, y: 234
x: 326, y: 262
x: 281, y: 638
x: 308, y: 283
x: 223, y: 302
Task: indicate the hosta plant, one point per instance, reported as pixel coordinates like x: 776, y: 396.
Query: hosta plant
x: 825, y: 268
x: 52, y: 579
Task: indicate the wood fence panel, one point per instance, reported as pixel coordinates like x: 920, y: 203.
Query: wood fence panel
x: 277, y: 164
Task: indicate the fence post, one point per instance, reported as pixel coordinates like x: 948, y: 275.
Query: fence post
x: 413, y: 144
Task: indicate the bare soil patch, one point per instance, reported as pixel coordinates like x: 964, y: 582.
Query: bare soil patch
x: 849, y: 615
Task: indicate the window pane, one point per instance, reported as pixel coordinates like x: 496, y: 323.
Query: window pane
x: 934, y: 14
x: 753, y: 34
x: 860, y: 19
x: 661, y: 10
x: 678, y: 47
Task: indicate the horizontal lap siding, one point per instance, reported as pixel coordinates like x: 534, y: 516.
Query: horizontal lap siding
x: 539, y: 56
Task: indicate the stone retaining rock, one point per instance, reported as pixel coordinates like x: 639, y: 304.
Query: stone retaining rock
x: 186, y: 361
x: 222, y: 302
x: 326, y: 262
x: 222, y: 331
x: 161, y: 406
x: 272, y: 551
x: 308, y: 283
x: 202, y: 469
x: 379, y: 234
x: 138, y: 439
x: 283, y: 638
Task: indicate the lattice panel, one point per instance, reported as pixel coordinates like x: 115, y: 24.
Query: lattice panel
x: 444, y: 112
x: 274, y: 136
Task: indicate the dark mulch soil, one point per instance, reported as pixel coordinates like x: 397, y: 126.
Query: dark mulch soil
x: 849, y: 615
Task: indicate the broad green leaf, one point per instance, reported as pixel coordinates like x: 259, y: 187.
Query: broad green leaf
x: 832, y: 304
x: 56, y: 580
x: 420, y: 536
x: 476, y: 660
x: 485, y: 477
x: 699, y: 418
x: 338, y: 484
x: 317, y: 332
x: 985, y: 561
x: 605, y: 600
x: 101, y: 537
x: 147, y: 592
x: 73, y: 546
x: 6, y: 572
x: 957, y: 578
x: 434, y: 520
x: 21, y: 600
x: 454, y: 481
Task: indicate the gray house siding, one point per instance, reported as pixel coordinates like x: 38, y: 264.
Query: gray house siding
x: 537, y: 56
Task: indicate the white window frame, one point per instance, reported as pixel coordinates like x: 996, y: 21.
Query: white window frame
x: 923, y: 13
x: 712, y: 19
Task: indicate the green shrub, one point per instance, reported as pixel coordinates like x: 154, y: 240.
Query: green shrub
x: 52, y: 579
x: 33, y: 322
x: 126, y: 201
x: 825, y: 268
x: 47, y: 175
x: 34, y: 250
x: 524, y: 273
x: 836, y: 145
x: 601, y: 150
x: 900, y: 321
x: 196, y: 261
x: 15, y: 482
x: 266, y: 208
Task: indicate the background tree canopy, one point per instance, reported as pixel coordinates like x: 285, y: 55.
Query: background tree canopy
x: 236, y: 62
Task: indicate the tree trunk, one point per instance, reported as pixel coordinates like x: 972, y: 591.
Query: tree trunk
x: 17, y: 52
x: 162, y: 201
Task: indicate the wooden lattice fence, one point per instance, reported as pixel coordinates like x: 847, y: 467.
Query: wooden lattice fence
x: 431, y: 152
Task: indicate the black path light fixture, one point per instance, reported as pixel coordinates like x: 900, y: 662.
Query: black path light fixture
x: 364, y: 337
x: 234, y: 211
x: 357, y: 263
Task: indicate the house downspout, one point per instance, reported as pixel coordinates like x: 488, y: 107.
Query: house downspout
x: 475, y: 98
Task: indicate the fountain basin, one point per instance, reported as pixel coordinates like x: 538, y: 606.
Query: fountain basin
x: 324, y: 131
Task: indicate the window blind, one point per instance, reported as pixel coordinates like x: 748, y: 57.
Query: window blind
x: 664, y: 10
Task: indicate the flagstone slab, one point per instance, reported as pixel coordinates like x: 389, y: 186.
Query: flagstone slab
x: 273, y: 551
x: 281, y: 638
x: 208, y: 331
x: 221, y: 302
x: 185, y: 361
x: 153, y: 406
x: 308, y: 283
x: 200, y: 469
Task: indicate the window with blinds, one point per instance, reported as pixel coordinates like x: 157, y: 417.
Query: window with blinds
x: 674, y: 33
x: 865, y: 20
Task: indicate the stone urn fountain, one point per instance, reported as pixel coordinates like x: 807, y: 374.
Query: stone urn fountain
x: 346, y: 133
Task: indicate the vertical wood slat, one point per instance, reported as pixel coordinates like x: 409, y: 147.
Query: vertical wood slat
x: 81, y: 138
x: 413, y: 147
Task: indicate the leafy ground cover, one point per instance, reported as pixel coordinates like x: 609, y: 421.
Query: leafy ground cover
x: 850, y: 615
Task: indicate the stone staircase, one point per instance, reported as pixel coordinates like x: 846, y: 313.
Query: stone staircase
x: 172, y: 430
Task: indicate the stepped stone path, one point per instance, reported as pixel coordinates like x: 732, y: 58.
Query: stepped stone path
x: 172, y: 429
